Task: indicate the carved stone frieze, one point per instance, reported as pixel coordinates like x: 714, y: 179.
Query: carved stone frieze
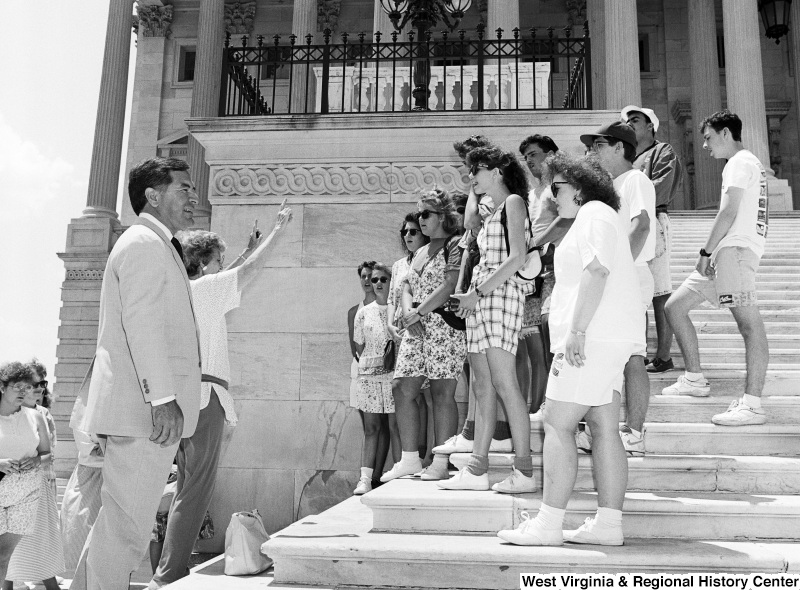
x: 152, y: 21
x: 576, y: 12
x: 239, y: 18
x: 352, y: 180
x: 328, y: 14
x: 94, y: 274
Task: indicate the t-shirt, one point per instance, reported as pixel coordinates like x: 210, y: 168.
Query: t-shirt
x: 543, y: 211
x: 598, y: 231
x: 637, y: 193
x: 213, y: 296
x: 749, y: 229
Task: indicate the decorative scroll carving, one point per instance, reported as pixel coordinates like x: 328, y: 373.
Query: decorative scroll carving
x: 239, y: 18
x: 328, y: 14
x: 576, y: 12
x: 350, y: 180
x: 152, y: 21
x: 94, y: 274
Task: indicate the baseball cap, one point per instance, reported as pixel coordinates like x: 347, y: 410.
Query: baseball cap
x: 634, y: 109
x: 615, y: 130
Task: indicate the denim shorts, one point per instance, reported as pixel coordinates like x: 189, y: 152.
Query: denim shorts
x: 734, y: 281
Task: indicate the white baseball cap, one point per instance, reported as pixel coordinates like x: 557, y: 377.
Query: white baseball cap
x: 634, y: 109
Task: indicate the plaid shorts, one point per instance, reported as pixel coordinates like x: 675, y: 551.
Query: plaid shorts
x: 497, y: 321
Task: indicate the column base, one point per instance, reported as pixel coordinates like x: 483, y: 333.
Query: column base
x: 780, y: 194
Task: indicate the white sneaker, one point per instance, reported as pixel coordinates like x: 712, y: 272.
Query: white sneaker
x: 516, y: 483
x: 633, y: 444
x: 464, y: 480
x: 583, y: 440
x: 740, y: 414
x: 430, y: 473
x: 454, y: 444
x: 364, y: 486
x: 400, y: 469
x: 685, y: 387
x: 538, y: 416
x: 530, y: 533
x: 590, y: 534
x: 501, y: 446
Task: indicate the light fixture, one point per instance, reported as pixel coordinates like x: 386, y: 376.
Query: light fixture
x: 775, y: 14
x: 457, y: 7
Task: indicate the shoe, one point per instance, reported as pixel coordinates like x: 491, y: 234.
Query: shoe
x: 633, y: 444
x: 530, y: 533
x: 516, y: 483
x: 364, y: 486
x: 431, y: 474
x: 646, y: 360
x: 464, y: 480
x: 583, y: 440
x: 739, y: 414
x: 590, y: 534
x: 501, y: 446
x: 685, y: 387
x: 659, y: 366
x: 400, y: 469
x: 454, y: 444
x: 538, y: 416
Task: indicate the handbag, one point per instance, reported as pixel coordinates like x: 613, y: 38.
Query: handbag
x: 389, y: 355
x: 243, y: 541
x: 532, y: 267
x: 449, y: 317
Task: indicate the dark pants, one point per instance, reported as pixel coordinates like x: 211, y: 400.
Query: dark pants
x: 198, y: 457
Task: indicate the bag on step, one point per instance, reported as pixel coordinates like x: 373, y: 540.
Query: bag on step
x: 243, y: 541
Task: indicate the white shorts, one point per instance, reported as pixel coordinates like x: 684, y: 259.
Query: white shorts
x: 595, y: 382
x: 646, y: 286
x: 659, y: 266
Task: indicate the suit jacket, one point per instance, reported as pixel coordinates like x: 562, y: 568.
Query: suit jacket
x: 147, y: 343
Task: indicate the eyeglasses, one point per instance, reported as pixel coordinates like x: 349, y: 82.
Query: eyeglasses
x: 410, y: 232
x: 22, y: 388
x: 426, y: 213
x: 381, y: 279
x: 475, y: 167
x: 40, y: 385
x: 554, y: 187
x: 460, y: 210
x: 597, y: 144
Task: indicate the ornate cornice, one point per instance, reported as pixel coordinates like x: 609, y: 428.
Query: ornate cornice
x: 95, y: 274
x: 239, y: 18
x: 328, y: 14
x: 152, y: 21
x: 576, y: 12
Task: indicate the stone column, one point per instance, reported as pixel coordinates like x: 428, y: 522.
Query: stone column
x: 381, y: 22
x: 304, y: 22
x: 794, y: 33
x: 621, y: 63
x: 502, y: 14
x: 101, y: 200
x: 205, y: 95
x: 706, y: 98
x: 596, y: 15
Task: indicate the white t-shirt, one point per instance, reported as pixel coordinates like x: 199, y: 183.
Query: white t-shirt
x: 543, y: 211
x: 637, y: 193
x: 598, y: 231
x: 749, y: 229
x: 213, y: 296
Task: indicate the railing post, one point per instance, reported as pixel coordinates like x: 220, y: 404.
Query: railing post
x: 223, y: 87
x: 326, y: 71
x: 481, y: 28
x: 587, y: 64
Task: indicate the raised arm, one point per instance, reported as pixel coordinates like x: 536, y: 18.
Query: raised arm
x: 250, y: 267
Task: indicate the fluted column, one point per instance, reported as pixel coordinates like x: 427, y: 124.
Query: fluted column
x: 381, y: 22
x: 502, y: 14
x: 101, y: 200
x: 205, y: 95
x: 304, y: 22
x: 794, y: 33
x: 623, y: 85
x: 596, y: 15
x: 706, y: 97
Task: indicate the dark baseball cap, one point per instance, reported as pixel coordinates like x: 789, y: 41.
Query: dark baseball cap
x: 616, y: 130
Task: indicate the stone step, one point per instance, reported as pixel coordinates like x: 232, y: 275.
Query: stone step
x: 767, y: 315
x: 680, y: 408
x: 732, y: 339
x: 674, y: 473
x: 336, y: 549
x: 414, y: 506
x: 727, y: 328
x: 730, y: 384
x: 735, y: 356
x: 704, y: 438
x: 778, y: 259
x: 683, y: 268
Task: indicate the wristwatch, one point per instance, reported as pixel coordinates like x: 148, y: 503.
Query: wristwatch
x: 705, y: 254
x: 478, y: 291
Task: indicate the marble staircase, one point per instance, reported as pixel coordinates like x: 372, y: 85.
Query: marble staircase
x: 704, y: 498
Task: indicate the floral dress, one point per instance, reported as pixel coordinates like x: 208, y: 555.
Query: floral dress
x: 441, y: 351
x: 497, y: 321
x: 374, y: 393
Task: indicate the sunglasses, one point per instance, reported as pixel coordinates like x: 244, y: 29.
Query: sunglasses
x: 410, y: 232
x: 40, y: 385
x: 554, y: 187
x: 427, y: 213
x: 460, y: 210
x: 381, y: 279
x: 475, y: 167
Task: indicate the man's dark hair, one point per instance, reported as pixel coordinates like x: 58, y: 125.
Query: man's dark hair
x: 472, y: 142
x: 545, y: 143
x: 153, y: 173
x: 370, y: 264
x: 722, y: 119
x: 629, y: 152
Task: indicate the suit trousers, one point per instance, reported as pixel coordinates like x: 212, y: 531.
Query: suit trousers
x: 135, y: 471
x: 198, y: 457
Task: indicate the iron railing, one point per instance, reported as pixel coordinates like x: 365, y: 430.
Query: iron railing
x: 459, y: 72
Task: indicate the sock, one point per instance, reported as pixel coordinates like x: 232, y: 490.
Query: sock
x: 751, y: 401
x: 478, y: 464
x: 550, y: 518
x: 440, y: 462
x: 608, y: 517
x: 502, y: 431
x: 524, y: 465
x: 468, y: 432
x: 698, y: 377
x: 367, y: 472
x: 410, y: 457
x: 635, y: 433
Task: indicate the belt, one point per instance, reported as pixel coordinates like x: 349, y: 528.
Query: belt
x: 211, y: 379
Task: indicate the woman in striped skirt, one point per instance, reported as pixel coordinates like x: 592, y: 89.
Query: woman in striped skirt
x: 494, y: 307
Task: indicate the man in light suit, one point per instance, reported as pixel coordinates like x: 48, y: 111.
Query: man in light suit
x: 144, y: 382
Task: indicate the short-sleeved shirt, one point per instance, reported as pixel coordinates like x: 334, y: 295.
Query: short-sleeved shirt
x: 543, y: 211
x: 749, y: 230
x: 601, y: 232
x: 452, y: 254
x: 661, y: 165
x: 369, y: 329
x: 637, y: 193
x: 213, y: 296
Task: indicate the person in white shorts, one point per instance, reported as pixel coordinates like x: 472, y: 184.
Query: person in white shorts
x: 725, y: 274
x: 593, y: 336
x: 615, y: 145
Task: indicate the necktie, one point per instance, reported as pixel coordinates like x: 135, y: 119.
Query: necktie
x: 177, y: 245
